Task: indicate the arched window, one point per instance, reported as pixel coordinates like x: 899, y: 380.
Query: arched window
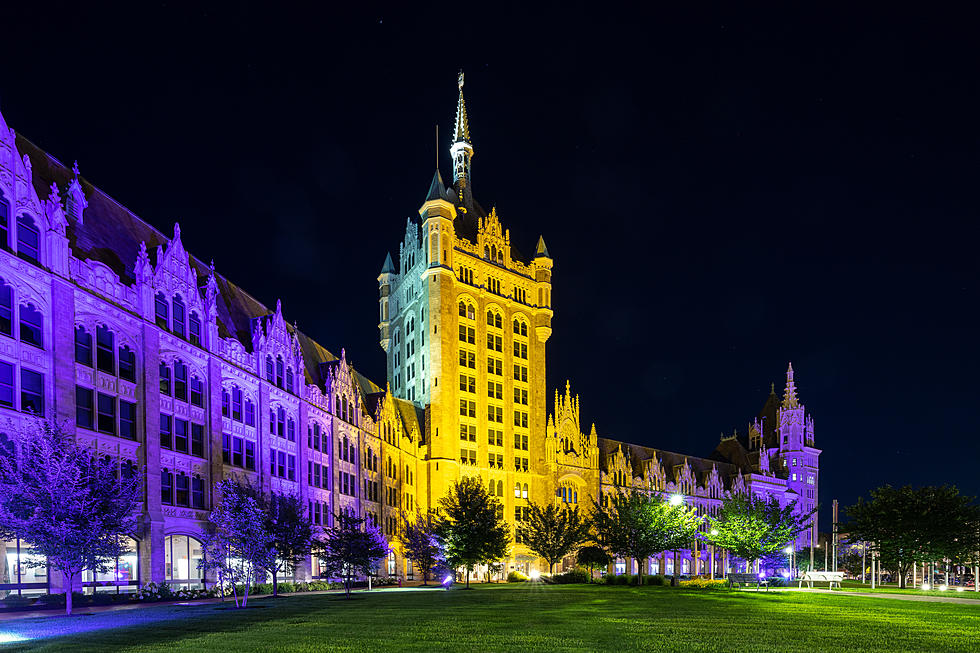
x: 105, y: 356
x: 291, y: 430
x: 279, y: 367
x: 194, y: 329
x: 182, y: 554
x: 500, y: 488
x: 127, y: 364
x: 161, y: 311
x: 517, y: 490
x: 462, y: 309
x: 486, y: 252
x: 30, y: 325
x: 4, y: 222
x: 83, y: 346
x: 236, y: 403
x: 123, y: 570
x: 270, y: 370
x: 179, y: 314
x: 28, y: 239
x: 524, y: 491
x: 493, y: 252
x: 6, y: 309
x: 164, y: 379
x: 289, y: 379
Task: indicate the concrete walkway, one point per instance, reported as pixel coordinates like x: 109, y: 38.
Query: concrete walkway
x: 928, y: 598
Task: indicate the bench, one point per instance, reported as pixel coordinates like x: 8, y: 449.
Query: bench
x: 821, y: 576
x: 747, y: 579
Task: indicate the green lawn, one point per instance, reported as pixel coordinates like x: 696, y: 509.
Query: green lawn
x: 858, y: 586
x: 524, y: 618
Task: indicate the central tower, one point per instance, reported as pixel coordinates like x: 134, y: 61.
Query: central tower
x: 464, y: 318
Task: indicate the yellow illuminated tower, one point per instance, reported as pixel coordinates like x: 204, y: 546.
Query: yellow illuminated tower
x: 464, y: 318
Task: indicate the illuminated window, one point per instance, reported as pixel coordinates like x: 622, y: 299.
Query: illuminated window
x: 28, y: 239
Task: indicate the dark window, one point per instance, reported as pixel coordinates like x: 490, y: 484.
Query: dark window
x: 249, y: 412
x: 197, y: 440
x: 272, y: 422
x: 127, y: 420
x: 164, y: 379
x: 161, y: 311
x: 225, y: 403
x: 6, y: 309
x: 226, y: 448
x: 179, y: 315
x: 127, y: 364
x: 250, y: 456
x: 28, y: 239
x: 180, y: 380
x: 316, y: 436
x: 107, y: 414
x: 183, y: 490
x: 237, y: 452
x: 32, y: 391
x: 166, y: 432
x: 194, y: 323
x: 4, y: 223
x: 84, y: 407
x: 291, y: 430
x: 197, y: 492
x: 30, y: 325
x: 269, y: 369
x: 272, y: 462
x: 279, y: 371
x: 289, y: 379
x: 281, y: 422
x: 316, y: 475
x: 292, y: 468
x: 105, y: 354
x: 83, y: 346
x: 180, y: 435
x: 6, y: 384
x: 236, y: 403
x: 197, y: 392
x: 167, y: 487
x: 281, y: 458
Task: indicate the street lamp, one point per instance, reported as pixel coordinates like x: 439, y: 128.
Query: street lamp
x: 675, y: 500
x: 790, y: 551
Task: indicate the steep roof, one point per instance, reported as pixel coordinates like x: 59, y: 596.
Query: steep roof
x: 670, y: 460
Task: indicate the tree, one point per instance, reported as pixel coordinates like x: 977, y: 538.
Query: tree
x: 291, y: 535
x: 420, y: 543
x: 70, y: 504
x: 469, y: 526
x: 752, y: 527
x: 553, y: 532
x: 237, y: 542
x: 905, y: 525
x: 637, y: 525
x: 592, y: 558
x: 351, y: 547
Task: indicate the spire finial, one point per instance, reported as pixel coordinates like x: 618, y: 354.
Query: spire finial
x: 459, y: 80
x: 790, y: 399
x: 74, y: 169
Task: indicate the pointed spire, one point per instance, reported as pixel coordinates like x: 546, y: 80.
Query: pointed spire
x: 389, y: 266
x: 437, y: 189
x: 790, y: 399
x: 541, y: 250
x: 462, y: 131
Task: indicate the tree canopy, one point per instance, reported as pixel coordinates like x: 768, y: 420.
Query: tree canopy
x: 553, y: 532
x: 351, y: 547
x: 637, y: 525
x: 752, y: 527
x: 72, y: 505
x: 469, y: 525
x: 907, y: 524
x: 420, y: 543
x: 290, y: 534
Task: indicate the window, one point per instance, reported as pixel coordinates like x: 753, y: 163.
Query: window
x: 164, y: 379
x: 84, y: 407
x: 197, y: 492
x: 197, y: 390
x: 166, y: 432
x: 180, y: 435
x: 249, y: 412
x: 28, y: 239
x: 195, y: 329
x: 250, y: 455
x: 179, y: 315
x: 127, y: 364
x: 197, y: 440
x: 279, y: 366
x: 269, y: 369
x: 32, y: 391
x: 30, y: 325
x: 4, y: 223
x: 83, y: 346
x: 180, y: 380
x: 107, y: 414
x: 183, y: 490
x: 226, y: 449
x: 167, y: 487
x: 6, y: 309
x: 281, y: 422
x: 291, y: 430
x: 289, y: 379
x: 238, y: 452
x: 105, y: 350
x: 292, y: 468
x: 162, y: 311
x: 225, y: 403
x: 6, y: 384
x: 236, y: 403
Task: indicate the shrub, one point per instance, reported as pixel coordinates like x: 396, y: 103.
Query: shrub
x: 14, y: 602
x: 703, y: 584
x: 156, y: 592
x: 318, y: 585
x: 285, y: 587
x: 516, y: 577
x: 656, y: 579
x: 624, y: 579
x: 577, y: 575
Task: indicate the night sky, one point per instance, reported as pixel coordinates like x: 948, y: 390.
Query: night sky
x: 722, y: 191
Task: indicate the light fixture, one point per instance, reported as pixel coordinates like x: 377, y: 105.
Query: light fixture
x: 676, y: 499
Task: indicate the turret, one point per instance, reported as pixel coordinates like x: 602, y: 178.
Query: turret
x: 385, y: 280
x: 462, y: 150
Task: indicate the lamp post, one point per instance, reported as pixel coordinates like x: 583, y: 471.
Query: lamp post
x: 790, y: 550
x: 675, y: 500
x: 714, y: 532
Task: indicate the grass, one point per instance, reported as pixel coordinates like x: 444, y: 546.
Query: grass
x: 522, y: 618
x: 857, y: 586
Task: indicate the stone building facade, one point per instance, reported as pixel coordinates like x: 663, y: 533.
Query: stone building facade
x: 159, y: 362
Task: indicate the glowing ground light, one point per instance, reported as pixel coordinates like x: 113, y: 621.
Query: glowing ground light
x: 943, y: 588
x: 959, y: 589
x: 447, y: 580
x: 925, y: 586
x: 535, y: 574
x: 7, y: 638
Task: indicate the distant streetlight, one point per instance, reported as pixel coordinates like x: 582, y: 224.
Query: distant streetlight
x: 676, y: 499
x: 790, y: 551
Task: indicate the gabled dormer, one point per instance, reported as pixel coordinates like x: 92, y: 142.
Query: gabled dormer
x: 75, y: 202
x: 493, y: 240
x: 341, y: 386
x: 277, y: 351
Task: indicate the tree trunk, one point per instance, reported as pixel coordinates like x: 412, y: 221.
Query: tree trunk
x: 275, y: 584
x: 551, y: 568
x: 467, y: 577
x: 68, y: 583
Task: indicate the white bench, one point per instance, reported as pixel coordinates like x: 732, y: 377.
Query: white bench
x: 822, y: 576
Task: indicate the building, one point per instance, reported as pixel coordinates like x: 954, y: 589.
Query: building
x: 161, y: 362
